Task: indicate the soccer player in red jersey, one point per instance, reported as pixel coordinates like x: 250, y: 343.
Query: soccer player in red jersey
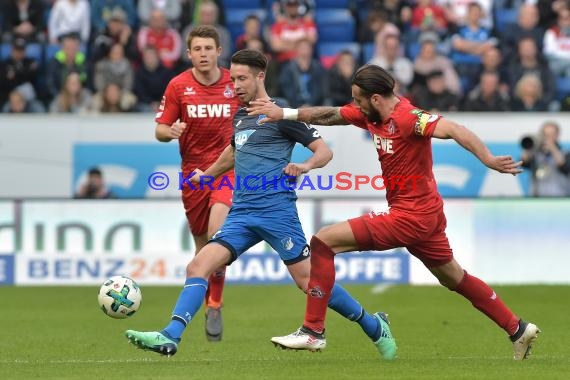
x: 197, y: 109
x: 415, y: 220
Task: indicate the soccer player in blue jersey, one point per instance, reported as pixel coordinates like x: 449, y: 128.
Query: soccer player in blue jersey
x: 264, y: 208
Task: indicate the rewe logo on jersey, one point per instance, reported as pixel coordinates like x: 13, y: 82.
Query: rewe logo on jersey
x: 241, y: 137
x: 208, y: 110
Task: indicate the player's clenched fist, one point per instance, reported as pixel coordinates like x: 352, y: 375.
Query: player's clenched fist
x: 176, y: 129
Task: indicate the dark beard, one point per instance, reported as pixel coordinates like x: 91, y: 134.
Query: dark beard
x: 373, y: 116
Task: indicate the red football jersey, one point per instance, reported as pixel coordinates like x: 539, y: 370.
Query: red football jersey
x: 208, y: 112
x: 403, y: 143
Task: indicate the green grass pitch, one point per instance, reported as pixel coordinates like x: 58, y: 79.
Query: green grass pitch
x: 59, y: 333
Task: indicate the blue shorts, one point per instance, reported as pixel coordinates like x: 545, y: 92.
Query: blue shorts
x: 281, y: 228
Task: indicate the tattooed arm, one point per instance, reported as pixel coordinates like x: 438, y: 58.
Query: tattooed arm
x: 311, y: 115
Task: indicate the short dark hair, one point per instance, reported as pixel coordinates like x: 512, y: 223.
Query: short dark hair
x: 95, y: 171
x: 372, y: 79
x: 203, y: 31
x: 252, y: 58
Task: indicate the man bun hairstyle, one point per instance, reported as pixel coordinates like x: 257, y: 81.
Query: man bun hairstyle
x: 372, y: 79
x: 255, y: 59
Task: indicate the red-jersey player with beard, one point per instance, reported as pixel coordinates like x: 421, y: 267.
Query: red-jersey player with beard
x: 415, y: 218
x: 197, y: 109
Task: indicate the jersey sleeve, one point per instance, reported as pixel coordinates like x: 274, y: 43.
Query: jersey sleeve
x: 299, y: 132
x: 420, y: 123
x: 352, y: 114
x: 169, y: 109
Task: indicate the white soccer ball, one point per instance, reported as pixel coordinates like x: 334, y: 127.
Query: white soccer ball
x: 119, y: 297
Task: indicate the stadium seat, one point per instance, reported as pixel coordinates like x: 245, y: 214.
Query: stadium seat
x: 34, y: 51
x: 412, y: 50
x: 236, y: 17
x: 504, y: 17
x: 241, y: 4
x: 562, y: 88
x: 327, y: 4
x: 367, y: 52
x: 335, y: 25
x: 328, y: 51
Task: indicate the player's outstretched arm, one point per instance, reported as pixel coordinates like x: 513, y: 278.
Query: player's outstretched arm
x: 224, y: 163
x: 166, y: 133
x: 322, y: 155
x: 447, y: 129
x: 311, y: 115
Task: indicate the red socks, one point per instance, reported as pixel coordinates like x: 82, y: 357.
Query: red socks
x: 215, y: 288
x: 320, y: 285
x: 488, y: 302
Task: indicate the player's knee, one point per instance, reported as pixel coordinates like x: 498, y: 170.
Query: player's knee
x: 325, y: 235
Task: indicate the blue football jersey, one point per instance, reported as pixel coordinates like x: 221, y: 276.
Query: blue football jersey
x: 262, y: 151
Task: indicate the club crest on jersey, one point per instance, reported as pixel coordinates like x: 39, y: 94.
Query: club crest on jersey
x: 229, y: 92
x: 391, y: 127
x: 259, y: 118
x: 241, y: 137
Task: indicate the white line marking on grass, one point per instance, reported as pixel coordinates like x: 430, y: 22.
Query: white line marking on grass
x: 381, y: 288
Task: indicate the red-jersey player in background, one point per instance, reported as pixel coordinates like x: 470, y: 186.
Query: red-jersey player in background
x: 197, y: 109
x: 415, y: 219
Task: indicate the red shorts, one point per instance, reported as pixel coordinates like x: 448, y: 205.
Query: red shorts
x: 423, y: 235
x: 197, y: 203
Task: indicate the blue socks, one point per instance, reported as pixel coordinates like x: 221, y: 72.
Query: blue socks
x: 344, y: 304
x: 189, y: 302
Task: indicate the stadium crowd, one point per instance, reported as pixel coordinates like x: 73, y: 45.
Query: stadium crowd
x: 100, y: 56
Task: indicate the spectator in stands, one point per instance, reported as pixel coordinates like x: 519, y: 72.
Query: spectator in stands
x: 252, y: 30
x: 73, y: 97
x: 113, y: 100
x: 208, y: 14
x: 375, y: 29
x: 436, y: 97
x: 151, y: 79
x: 18, y: 102
x: 428, y: 16
x: 548, y: 11
x: 458, y: 12
x: 529, y: 95
x: 101, y: 11
x: 397, y: 12
x: 305, y: 9
x: 339, y: 79
x: 470, y: 42
x: 548, y: 162
x: 302, y: 78
x: 487, y: 95
x: 69, y: 16
x: 18, y: 70
x: 557, y: 45
x: 287, y: 32
x: 429, y: 60
x: 24, y: 18
x: 159, y: 34
x: 394, y: 62
x: 526, y: 26
x: 114, y: 69
x: 171, y: 9
x: 116, y: 31
x: 528, y: 61
x: 94, y: 187
x: 68, y: 59
x: 272, y: 72
x: 492, y: 61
